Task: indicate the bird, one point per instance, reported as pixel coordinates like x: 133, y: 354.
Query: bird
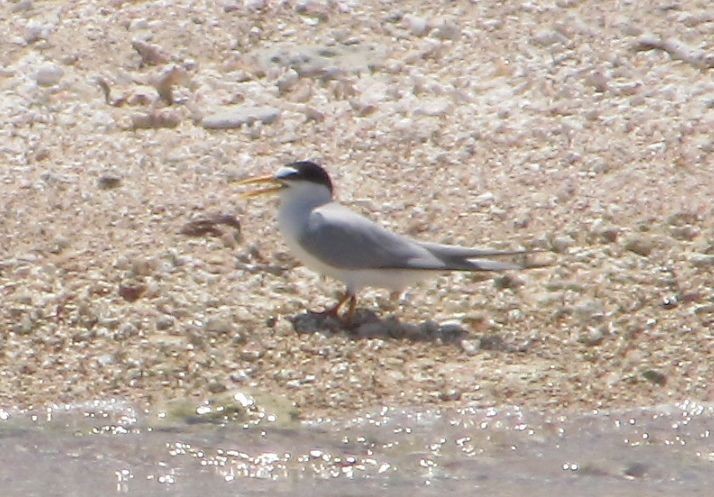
x: 335, y: 241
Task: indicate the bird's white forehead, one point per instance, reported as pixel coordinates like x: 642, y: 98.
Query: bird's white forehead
x: 285, y: 172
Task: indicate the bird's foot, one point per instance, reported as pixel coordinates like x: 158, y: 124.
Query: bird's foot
x: 346, y: 320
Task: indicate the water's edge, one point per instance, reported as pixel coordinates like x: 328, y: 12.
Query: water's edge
x: 107, y: 448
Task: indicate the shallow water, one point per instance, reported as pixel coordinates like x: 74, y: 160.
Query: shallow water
x: 109, y: 449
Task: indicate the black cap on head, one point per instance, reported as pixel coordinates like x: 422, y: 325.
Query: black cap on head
x: 307, y: 171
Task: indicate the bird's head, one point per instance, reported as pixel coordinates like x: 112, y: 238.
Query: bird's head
x: 303, y: 178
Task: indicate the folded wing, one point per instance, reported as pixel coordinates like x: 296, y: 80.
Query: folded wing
x: 342, y: 238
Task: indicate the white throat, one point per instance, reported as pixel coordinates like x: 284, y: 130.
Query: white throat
x: 296, y: 203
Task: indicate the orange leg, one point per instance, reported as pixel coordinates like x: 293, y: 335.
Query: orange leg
x: 351, y: 311
x: 333, y: 311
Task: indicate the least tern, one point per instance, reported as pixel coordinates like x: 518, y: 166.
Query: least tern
x: 335, y: 241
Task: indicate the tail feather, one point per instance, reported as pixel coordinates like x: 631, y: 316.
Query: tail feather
x: 448, y: 251
x: 457, y: 258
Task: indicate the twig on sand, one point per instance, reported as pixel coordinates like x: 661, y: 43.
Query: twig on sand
x: 677, y: 49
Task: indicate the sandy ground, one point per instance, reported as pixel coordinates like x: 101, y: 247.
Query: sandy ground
x: 582, y: 127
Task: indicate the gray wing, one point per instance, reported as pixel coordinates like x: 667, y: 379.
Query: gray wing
x: 342, y: 238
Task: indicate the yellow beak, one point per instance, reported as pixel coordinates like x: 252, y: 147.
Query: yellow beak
x: 277, y: 186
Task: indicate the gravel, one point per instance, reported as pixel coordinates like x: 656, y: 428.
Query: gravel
x: 563, y: 126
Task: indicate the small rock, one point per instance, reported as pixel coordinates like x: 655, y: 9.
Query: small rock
x: 654, y: 376
x: 164, y: 82
x: 22, y: 5
x: 670, y: 302
x: 589, y: 310
x: 138, y: 24
x: 142, y: 266
x: 156, y: 118
x: 685, y: 233
x: 682, y: 218
x: 486, y: 198
x: 493, y: 341
x: 546, y: 38
x: 446, y: 30
x: 35, y: 31
x: 151, y: 55
x: 105, y: 360
x: 24, y: 327
x: 704, y: 310
x: 470, y: 347
x: 255, y: 5
x: 109, y: 181
x: 287, y: 81
x: 240, y: 376
x: 131, y: 292
x: 251, y: 355
x: 126, y: 330
x: 450, y: 394
x: 418, y: 26
x: 603, y: 231
x: 507, y: 281
x: 237, y: 116
x: 219, y: 325
x: 592, y: 337
x: 702, y: 260
x: 434, y: 108
x: 207, y: 225
x: 562, y: 243
x: 216, y: 387
x: 640, y: 245
x: 49, y: 74
x: 165, y: 323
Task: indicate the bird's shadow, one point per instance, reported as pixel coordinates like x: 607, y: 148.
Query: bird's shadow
x: 368, y: 325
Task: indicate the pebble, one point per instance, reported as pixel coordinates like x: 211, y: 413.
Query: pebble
x: 685, y: 233
x: 418, y: 26
x: 654, y: 376
x: 702, y: 260
x: 604, y: 231
x: 548, y: 37
x: 109, y: 181
x: 219, y: 325
x: 287, y: 81
x: 592, y: 337
x: 255, y: 5
x: 21, y: 6
x: 470, y: 347
x: 484, y: 199
x: 165, y: 323
x: 704, y: 310
x: 450, y: 394
x: 49, y: 74
x: 151, y: 55
x: 446, y: 30
x: 640, y: 245
x: 35, y: 31
x: 237, y: 116
x: 216, y: 387
x: 156, y: 118
x: 131, y: 292
x: 562, y: 243
x: 589, y: 310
